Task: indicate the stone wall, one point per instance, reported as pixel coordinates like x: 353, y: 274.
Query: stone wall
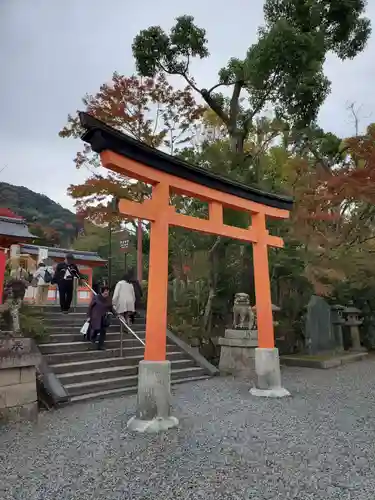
x: 18, y: 394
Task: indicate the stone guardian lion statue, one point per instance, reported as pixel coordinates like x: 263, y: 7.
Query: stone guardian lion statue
x: 243, y: 316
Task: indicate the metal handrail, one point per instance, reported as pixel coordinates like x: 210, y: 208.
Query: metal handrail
x: 122, y: 322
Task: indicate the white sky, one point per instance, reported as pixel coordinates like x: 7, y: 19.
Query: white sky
x: 52, y: 53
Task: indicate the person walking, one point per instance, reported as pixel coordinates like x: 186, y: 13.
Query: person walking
x: 43, y: 278
x: 98, y: 316
x: 137, y: 292
x: 124, y: 298
x: 64, y: 278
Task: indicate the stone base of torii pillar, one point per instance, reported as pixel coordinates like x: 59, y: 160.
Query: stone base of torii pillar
x: 154, y: 398
x: 267, y: 369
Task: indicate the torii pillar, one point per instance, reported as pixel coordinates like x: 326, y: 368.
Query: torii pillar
x: 168, y: 175
x: 3, y: 260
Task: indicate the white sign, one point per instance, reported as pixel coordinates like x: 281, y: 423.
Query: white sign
x: 124, y: 244
x: 15, y: 251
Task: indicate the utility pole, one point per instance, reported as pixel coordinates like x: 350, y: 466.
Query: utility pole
x: 110, y: 254
x: 139, y: 251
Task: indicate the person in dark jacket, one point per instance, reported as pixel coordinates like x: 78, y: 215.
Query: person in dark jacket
x: 64, y: 277
x: 98, y: 316
x: 131, y: 278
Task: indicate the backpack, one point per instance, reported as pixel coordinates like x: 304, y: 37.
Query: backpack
x: 47, y: 277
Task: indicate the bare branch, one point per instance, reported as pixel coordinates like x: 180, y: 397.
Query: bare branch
x: 220, y: 85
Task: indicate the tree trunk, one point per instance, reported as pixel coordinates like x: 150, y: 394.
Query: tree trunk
x: 237, y: 141
x: 213, y: 255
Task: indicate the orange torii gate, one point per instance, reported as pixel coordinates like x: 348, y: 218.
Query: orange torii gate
x: 169, y: 175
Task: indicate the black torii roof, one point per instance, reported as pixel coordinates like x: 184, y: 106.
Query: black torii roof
x: 101, y: 137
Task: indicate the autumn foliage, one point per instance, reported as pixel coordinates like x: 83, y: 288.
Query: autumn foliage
x: 148, y: 109
x: 333, y: 215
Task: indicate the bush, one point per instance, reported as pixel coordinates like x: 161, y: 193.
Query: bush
x: 31, y: 322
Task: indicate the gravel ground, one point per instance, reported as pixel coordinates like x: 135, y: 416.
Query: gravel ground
x: 318, y: 444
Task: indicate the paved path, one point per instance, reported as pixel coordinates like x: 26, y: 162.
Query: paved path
x: 319, y: 444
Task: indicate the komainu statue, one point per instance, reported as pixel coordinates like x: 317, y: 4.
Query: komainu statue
x: 243, y: 316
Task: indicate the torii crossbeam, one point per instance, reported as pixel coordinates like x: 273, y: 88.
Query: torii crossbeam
x: 169, y: 175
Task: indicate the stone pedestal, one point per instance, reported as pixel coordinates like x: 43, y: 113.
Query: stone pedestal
x: 18, y: 395
x: 237, y: 354
x: 154, y: 398
x: 267, y: 367
x: 356, y: 339
x: 354, y: 321
x: 337, y: 324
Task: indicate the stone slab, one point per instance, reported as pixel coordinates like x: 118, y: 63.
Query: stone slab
x: 17, y: 352
x: 28, y: 374
x: 17, y: 395
x: 324, y: 364
x: 19, y: 413
x: 10, y: 376
x: 243, y: 343
x: 241, y: 334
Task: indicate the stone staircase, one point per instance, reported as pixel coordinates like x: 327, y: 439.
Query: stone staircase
x: 87, y: 373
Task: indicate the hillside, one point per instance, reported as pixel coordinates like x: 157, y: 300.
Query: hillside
x: 47, y: 219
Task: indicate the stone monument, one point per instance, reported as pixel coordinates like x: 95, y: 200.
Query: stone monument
x: 319, y: 334
x: 237, y: 355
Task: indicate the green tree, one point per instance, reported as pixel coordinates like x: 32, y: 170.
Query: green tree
x: 283, y: 68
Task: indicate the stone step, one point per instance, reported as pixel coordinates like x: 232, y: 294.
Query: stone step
x: 126, y: 391
x: 61, y: 347
x: 92, y: 386
x: 110, y: 372
x: 115, y: 327
x: 111, y: 393
x: 78, y: 337
x: 93, y: 364
x: 55, y: 308
x: 74, y: 317
x: 101, y: 385
x: 64, y: 356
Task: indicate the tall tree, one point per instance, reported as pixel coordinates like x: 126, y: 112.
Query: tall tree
x: 283, y: 68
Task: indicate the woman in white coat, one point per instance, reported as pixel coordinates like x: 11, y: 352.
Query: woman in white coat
x: 124, y: 298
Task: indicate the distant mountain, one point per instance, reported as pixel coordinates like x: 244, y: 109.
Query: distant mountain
x: 49, y: 221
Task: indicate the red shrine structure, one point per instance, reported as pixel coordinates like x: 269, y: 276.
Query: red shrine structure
x: 14, y: 231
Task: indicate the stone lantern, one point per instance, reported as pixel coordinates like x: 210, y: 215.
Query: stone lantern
x: 353, y: 320
x: 338, y: 321
x: 275, y: 309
